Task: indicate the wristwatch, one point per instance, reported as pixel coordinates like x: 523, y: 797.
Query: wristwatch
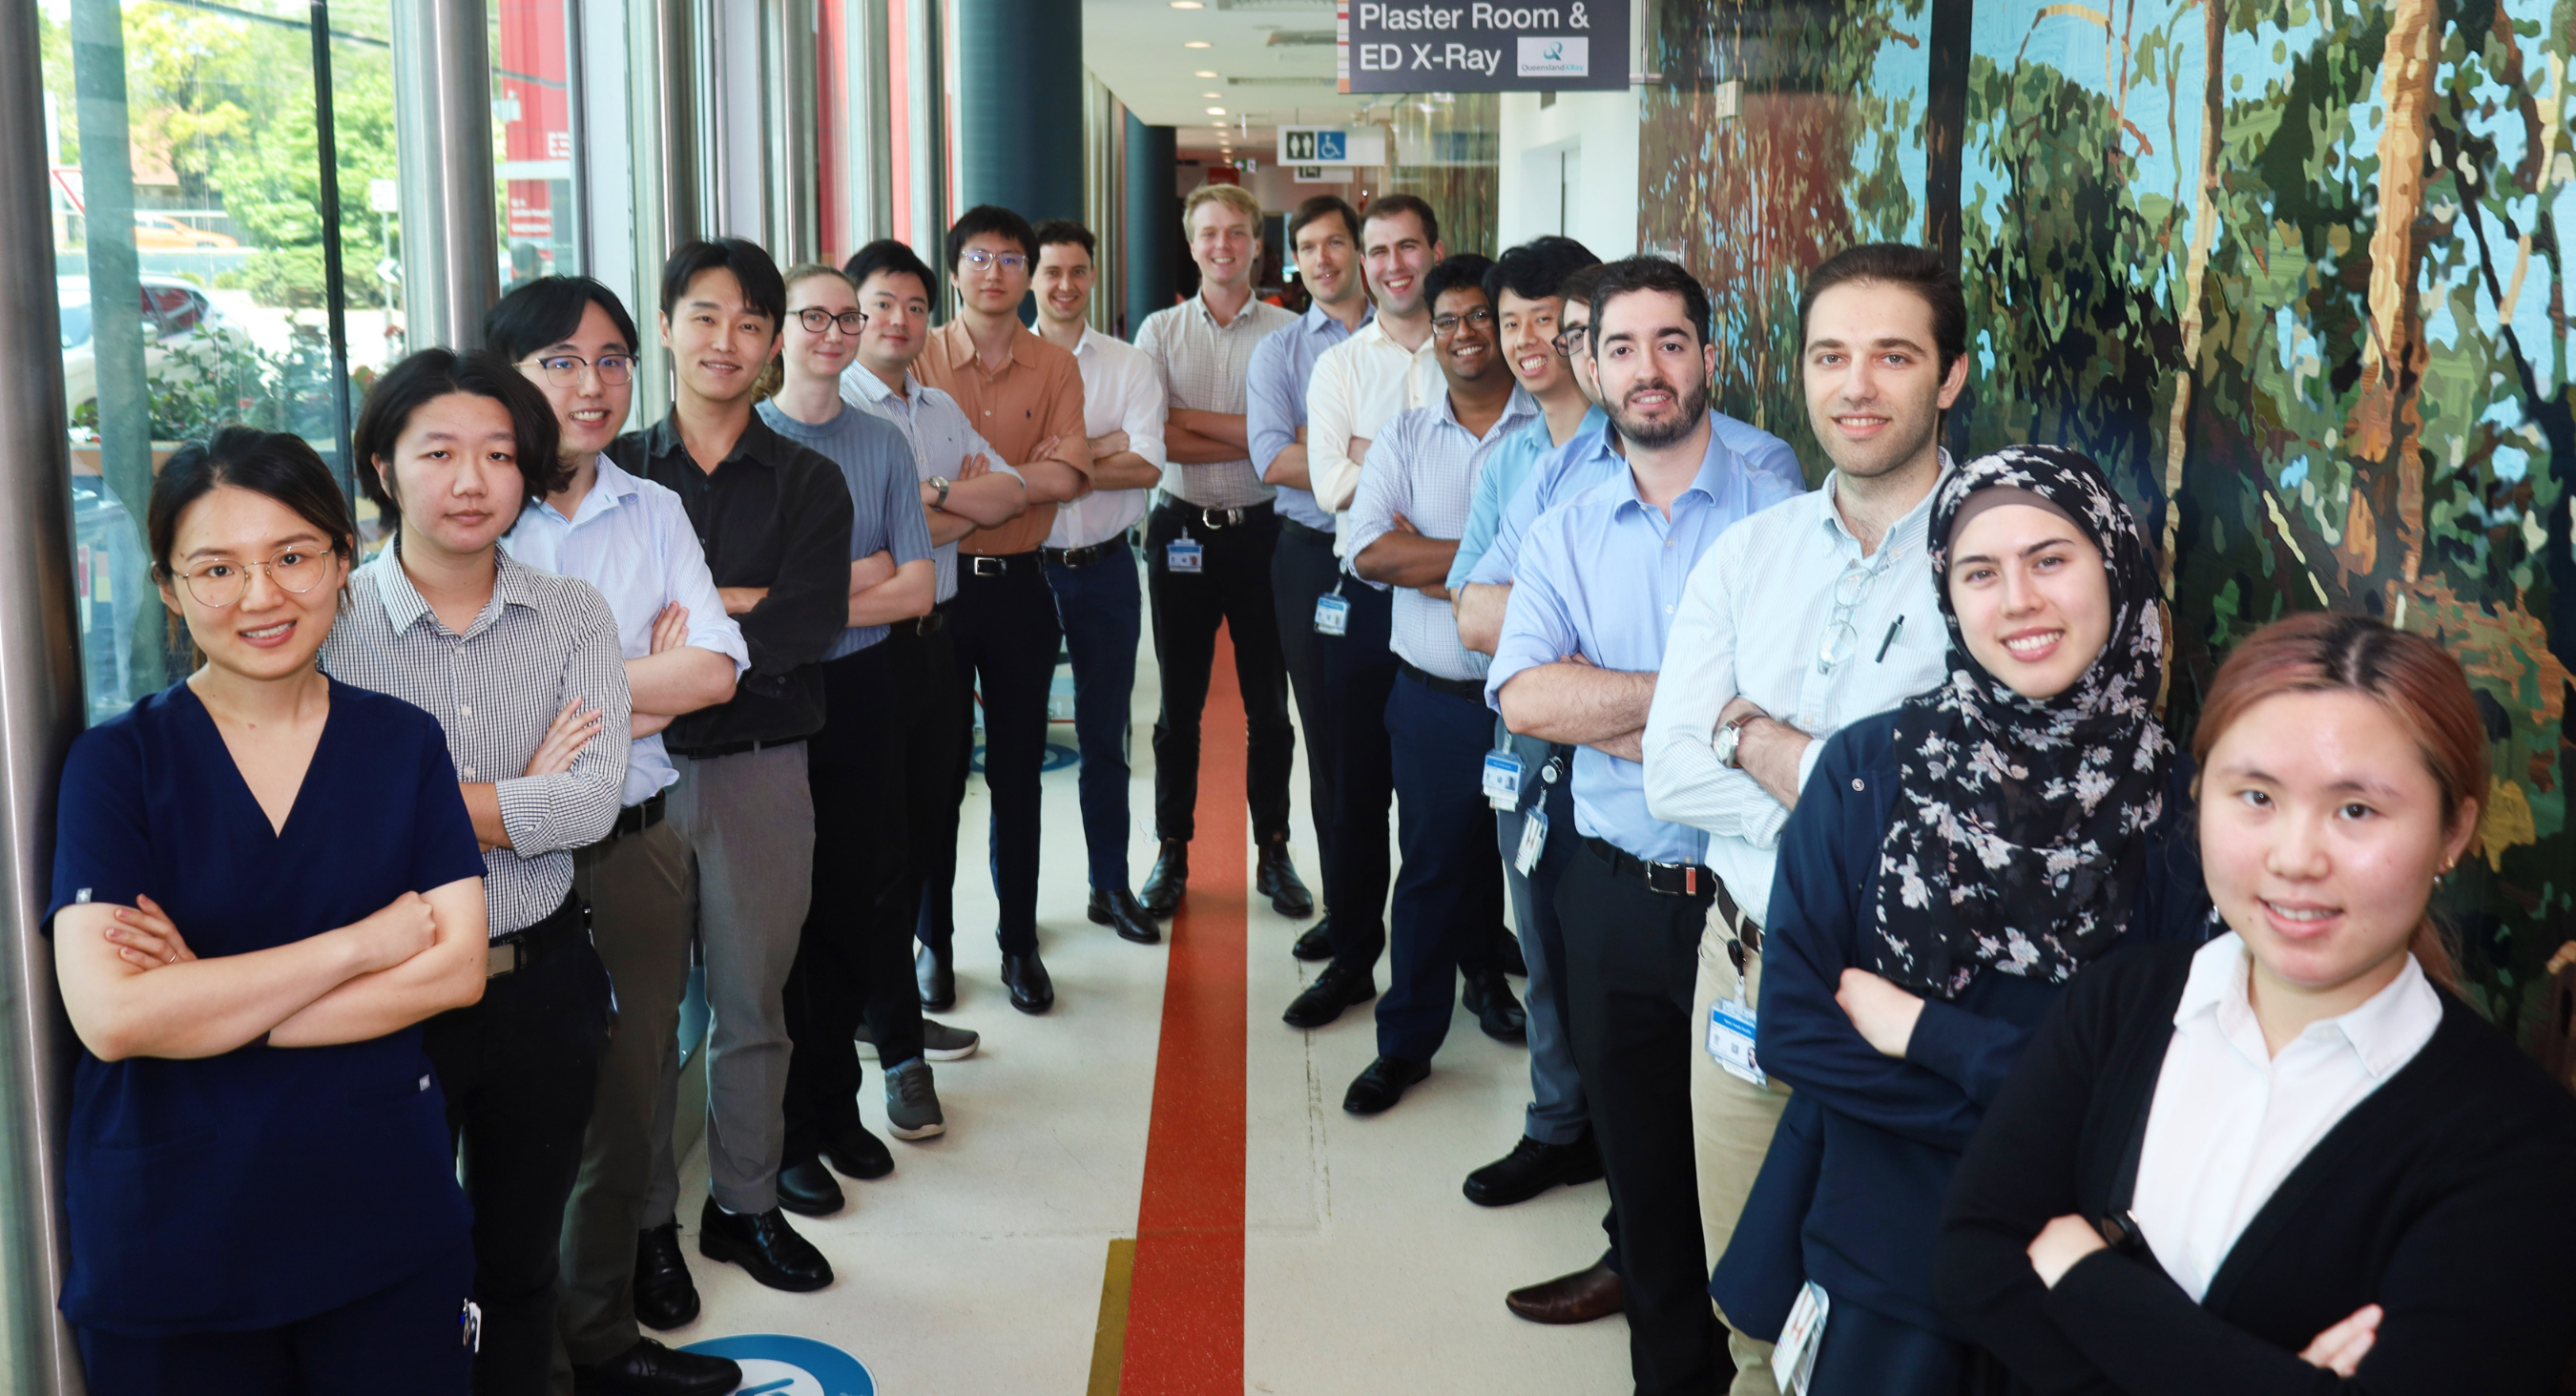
x: 1728, y: 739
x: 940, y: 483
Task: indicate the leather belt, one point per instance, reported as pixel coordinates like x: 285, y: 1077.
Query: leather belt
x: 638, y: 817
x: 999, y: 564
x: 710, y: 753
x: 1666, y: 879
x: 1748, y: 936
x: 930, y: 624
x: 1308, y: 532
x: 1473, y: 690
x: 1217, y: 518
x: 534, y: 945
x: 1083, y: 557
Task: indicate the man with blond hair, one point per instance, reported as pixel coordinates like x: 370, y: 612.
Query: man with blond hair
x: 1208, y: 544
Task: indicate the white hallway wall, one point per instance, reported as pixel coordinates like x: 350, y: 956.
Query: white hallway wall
x: 1571, y: 167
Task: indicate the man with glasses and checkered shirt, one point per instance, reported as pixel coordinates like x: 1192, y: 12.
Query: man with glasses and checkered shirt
x: 1799, y: 621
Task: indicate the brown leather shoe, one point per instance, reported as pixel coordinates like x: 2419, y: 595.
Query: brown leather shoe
x: 1577, y: 1298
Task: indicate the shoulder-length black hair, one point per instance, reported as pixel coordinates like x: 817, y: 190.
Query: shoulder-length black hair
x: 277, y: 464
x: 435, y: 373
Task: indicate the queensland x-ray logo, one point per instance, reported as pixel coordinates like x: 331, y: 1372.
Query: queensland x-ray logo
x: 1555, y: 58
x: 774, y: 1364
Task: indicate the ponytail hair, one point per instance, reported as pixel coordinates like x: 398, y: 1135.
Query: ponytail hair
x: 2413, y: 679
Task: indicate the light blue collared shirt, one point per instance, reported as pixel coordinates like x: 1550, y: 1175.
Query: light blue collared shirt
x: 1599, y: 576
x: 1275, y: 401
x: 941, y: 440
x: 1425, y: 466
x: 1586, y: 459
x: 1505, y: 469
x: 631, y: 539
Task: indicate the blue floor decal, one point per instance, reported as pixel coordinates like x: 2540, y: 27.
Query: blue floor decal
x: 775, y: 1364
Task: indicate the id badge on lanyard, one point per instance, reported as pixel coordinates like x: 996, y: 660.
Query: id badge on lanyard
x: 1730, y: 1038
x: 1533, y: 841
x: 1332, y: 612
x: 1503, y: 780
x: 1182, y: 554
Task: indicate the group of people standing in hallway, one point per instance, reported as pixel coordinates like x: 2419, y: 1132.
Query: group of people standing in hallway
x: 1930, y: 1012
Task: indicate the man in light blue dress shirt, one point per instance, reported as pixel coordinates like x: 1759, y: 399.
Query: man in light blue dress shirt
x: 631, y: 539
x: 1449, y: 890
x: 1583, y: 637
x: 1323, y: 235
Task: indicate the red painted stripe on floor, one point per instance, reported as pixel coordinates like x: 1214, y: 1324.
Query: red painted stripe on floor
x: 1185, y: 1310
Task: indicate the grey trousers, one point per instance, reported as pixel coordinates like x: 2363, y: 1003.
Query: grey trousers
x: 748, y: 822
x: 1557, y: 1112
x: 639, y: 889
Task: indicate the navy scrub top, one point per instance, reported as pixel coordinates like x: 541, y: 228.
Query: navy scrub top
x: 266, y: 1185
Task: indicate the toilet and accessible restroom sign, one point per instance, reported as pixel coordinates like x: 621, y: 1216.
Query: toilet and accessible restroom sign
x: 1483, y: 46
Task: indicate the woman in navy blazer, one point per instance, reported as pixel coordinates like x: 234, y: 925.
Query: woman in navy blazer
x: 1949, y: 867
x: 264, y: 881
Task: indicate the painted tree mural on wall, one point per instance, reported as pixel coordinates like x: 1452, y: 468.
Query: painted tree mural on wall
x: 2295, y: 273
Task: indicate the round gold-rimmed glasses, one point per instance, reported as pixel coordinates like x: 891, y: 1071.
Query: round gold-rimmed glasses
x: 221, y: 583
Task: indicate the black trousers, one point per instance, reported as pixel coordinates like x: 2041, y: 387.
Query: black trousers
x: 854, y: 960
x: 939, y: 723
x: 520, y: 1070
x: 1004, y: 635
x: 1232, y: 588
x: 1302, y: 568
x: 1359, y: 676
x: 1631, y: 960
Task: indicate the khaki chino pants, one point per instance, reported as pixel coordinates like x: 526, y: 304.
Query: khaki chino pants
x: 1731, y: 1124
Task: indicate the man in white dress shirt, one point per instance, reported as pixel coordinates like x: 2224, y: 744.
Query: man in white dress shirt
x: 1803, y: 618
x: 1403, y: 530
x: 1089, y: 563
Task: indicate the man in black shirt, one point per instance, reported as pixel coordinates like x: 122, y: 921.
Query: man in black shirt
x: 774, y: 518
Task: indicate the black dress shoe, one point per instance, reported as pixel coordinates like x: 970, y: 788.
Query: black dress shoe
x: 1323, y: 1001
x: 1121, y: 912
x: 665, y: 1296
x: 1274, y: 876
x: 1316, y: 941
x: 1383, y: 1084
x: 855, y: 1153
x: 1026, y: 977
x: 1507, y: 954
x: 765, y: 1245
x: 1162, y: 894
x: 1489, y: 997
x: 1577, y: 1298
x: 1532, y: 1168
x: 809, y: 1190
x: 934, y: 972
x: 650, y: 1369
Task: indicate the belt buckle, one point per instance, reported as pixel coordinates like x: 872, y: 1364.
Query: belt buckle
x: 976, y: 561
x: 1220, y: 518
x: 502, y: 957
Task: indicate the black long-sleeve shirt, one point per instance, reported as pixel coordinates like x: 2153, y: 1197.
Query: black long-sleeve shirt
x: 772, y: 514
x: 2445, y: 1197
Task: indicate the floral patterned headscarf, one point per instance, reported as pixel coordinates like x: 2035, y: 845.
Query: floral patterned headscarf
x: 2018, y: 838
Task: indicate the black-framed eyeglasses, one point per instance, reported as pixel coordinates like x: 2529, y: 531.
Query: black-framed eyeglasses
x: 1566, y: 341
x: 816, y: 319
x: 1480, y: 317
x: 221, y: 583
x: 979, y: 259
x: 564, y: 370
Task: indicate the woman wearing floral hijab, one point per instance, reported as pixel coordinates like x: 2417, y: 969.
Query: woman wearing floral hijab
x: 1952, y: 864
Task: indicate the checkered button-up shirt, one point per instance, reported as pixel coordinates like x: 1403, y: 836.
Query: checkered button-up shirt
x: 540, y: 642
x: 1205, y: 366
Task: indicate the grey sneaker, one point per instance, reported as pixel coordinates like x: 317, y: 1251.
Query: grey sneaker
x: 912, y: 1102
x: 939, y: 1042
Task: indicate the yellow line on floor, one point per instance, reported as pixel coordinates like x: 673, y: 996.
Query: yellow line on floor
x: 1109, y: 1342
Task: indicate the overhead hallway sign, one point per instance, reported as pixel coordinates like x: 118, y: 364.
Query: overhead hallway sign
x: 1483, y: 46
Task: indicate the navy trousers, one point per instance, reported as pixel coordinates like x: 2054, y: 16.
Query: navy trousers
x: 1449, y: 891
x: 1303, y: 568
x: 1359, y: 675
x: 403, y: 1340
x: 1006, y: 638
x: 1102, y: 611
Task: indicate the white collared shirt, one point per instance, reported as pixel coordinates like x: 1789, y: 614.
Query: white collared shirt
x: 1122, y: 390
x: 632, y: 539
x: 1752, y: 623
x: 1359, y: 385
x: 2230, y: 1120
x: 1205, y: 366
x: 941, y: 440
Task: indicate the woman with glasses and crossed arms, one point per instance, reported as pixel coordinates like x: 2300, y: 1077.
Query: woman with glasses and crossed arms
x: 1949, y: 866
x: 261, y: 1192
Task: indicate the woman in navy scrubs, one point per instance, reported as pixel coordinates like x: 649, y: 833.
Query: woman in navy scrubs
x: 264, y: 880
x: 1953, y: 864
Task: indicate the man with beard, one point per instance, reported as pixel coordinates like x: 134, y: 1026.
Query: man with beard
x: 1583, y: 636
x: 1809, y: 617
